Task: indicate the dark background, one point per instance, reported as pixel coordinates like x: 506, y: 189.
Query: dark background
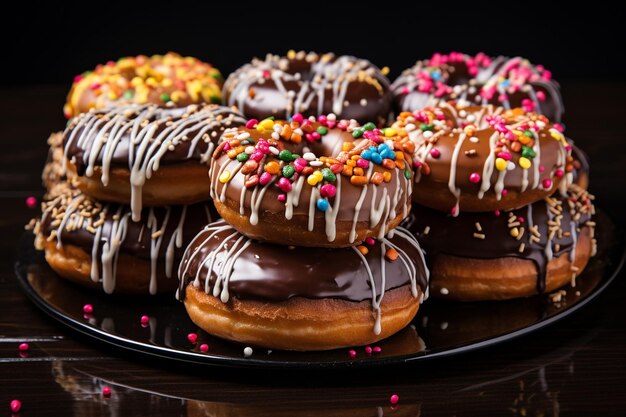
x: 50, y: 44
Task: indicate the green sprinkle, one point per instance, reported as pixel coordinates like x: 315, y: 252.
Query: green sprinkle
x: 424, y: 126
x: 285, y: 155
x: 288, y: 171
x: 322, y: 130
x: 528, y: 133
x: 369, y: 126
x: 128, y: 94
x: 528, y: 152
x: 216, y: 75
x: 165, y: 97
x: 328, y: 175
x: 407, y: 174
x: 243, y: 157
x: 270, y: 118
x: 357, y: 133
x: 216, y: 100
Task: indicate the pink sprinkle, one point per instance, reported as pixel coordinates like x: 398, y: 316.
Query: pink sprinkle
x: 145, y: 319
x: 568, y: 147
x: 541, y: 168
x: 547, y: 183
x: 328, y: 190
x: 435, y: 153
x: 377, y: 349
x: 204, y: 347
x: 106, y: 391
x: 23, y: 347
x: 265, y: 178
x: 368, y: 350
x: 504, y: 155
x: 192, y: 337
x: 405, y: 90
x: 394, y: 399
x: 505, y: 192
x: 547, y: 75
x: 520, y: 219
x: 474, y: 177
x: 541, y: 96
x: 417, y: 164
x: 322, y: 119
x: 309, y: 137
x: 559, y: 173
x: 88, y: 309
x: 363, y: 163
x: 336, y: 168
x: 497, y: 212
x: 352, y: 353
x: 528, y: 104
x: 252, y: 123
x: 558, y: 127
x: 284, y: 185
x: 282, y: 198
x: 473, y: 71
x: 316, y: 136
x: 453, y: 211
x: 298, y: 118
x: 226, y: 147
x: 510, y: 135
x: 369, y: 241
x: 331, y: 124
x: 16, y: 406
x: 266, y: 74
x: 77, y: 78
x: 502, y: 97
x: 95, y: 86
x: 31, y: 201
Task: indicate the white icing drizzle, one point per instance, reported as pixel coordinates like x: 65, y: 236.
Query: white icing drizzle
x: 452, y: 177
x: 101, y: 132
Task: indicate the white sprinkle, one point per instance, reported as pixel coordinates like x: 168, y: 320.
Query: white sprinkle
x: 247, y: 352
x: 316, y: 163
x: 244, y: 135
x: 471, y: 118
x: 346, y: 103
x: 275, y: 135
x: 274, y: 150
x: 363, y: 102
x: 409, y: 127
x: 269, y: 351
x: 249, y: 149
x: 462, y: 113
x: 473, y: 139
x: 510, y: 166
x: 427, y: 134
x: 331, y: 116
x: 444, y: 325
x: 309, y: 156
x: 444, y: 291
x: 298, y: 131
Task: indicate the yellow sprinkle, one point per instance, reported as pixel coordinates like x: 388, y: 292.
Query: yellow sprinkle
x: 266, y: 124
x: 518, y: 132
x: 152, y: 82
x: 387, y: 176
x: 177, y: 95
x: 501, y: 164
x: 112, y: 95
x: 524, y: 162
x: 136, y: 81
x: 389, y: 132
x: 385, y: 70
x: 514, y: 232
x: 291, y: 54
x: 225, y: 176
x: 313, y: 179
x: 166, y: 82
x: 556, y: 134
x: 399, y: 155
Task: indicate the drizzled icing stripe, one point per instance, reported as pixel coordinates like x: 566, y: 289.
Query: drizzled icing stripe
x: 149, y: 133
x: 217, y: 265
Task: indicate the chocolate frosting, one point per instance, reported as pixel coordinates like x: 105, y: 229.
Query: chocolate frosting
x: 310, y: 84
x: 439, y: 233
x: 264, y: 271
x: 161, y: 235
x: 503, y: 81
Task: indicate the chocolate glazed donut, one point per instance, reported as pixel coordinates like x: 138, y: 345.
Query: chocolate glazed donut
x: 485, y: 158
x: 486, y: 256
x: 331, y: 189
x: 301, y: 298
x: 144, y: 154
x: 507, y: 82
x: 97, y: 245
x: 310, y: 84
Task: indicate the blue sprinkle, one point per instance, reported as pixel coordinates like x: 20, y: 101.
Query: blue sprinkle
x: 382, y: 147
x: 388, y: 154
x: 366, y: 154
x: 377, y: 159
x: 505, y: 83
x: 322, y: 204
x: 436, y: 75
x: 373, y: 149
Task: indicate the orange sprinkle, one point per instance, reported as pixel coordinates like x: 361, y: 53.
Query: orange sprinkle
x: 377, y: 178
x: 358, y: 171
x: 391, y: 254
x: 387, y: 176
x: 389, y: 164
x: 347, y: 146
x: 362, y: 249
x: 358, y: 180
x: 272, y: 167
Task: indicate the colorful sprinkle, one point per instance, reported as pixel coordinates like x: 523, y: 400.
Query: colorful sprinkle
x: 106, y: 391
x: 31, y: 201
x: 474, y: 177
x: 394, y: 399
x: 192, y: 337
x: 15, y: 406
x: 204, y: 348
x: 87, y: 309
x: 23, y: 347
x: 224, y: 176
x: 322, y: 204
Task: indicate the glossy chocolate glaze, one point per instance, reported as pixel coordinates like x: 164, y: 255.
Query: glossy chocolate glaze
x: 146, y: 133
x: 310, y: 84
x: 500, y: 81
x: 70, y: 217
x: 440, y: 233
x: 264, y: 271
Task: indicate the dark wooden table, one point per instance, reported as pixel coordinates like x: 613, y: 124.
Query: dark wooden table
x: 575, y: 367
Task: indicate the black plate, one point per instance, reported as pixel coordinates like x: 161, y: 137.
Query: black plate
x: 441, y: 328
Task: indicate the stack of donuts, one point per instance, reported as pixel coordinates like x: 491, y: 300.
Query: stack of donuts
x: 127, y: 182
x: 500, y: 200
x: 326, y: 178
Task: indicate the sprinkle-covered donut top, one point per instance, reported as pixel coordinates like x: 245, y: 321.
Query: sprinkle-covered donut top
x: 303, y: 165
x: 482, y: 148
x: 164, y: 80
x: 104, y: 231
x: 310, y: 84
x: 226, y: 264
x: 142, y: 137
x: 479, y: 79
x: 538, y: 232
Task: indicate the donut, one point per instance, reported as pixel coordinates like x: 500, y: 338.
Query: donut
x: 518, y: 253
x: 168, y: 80
x: 301, y: 298
x: 53, y: 173
x: 310, y: 84
x: 484, y: 158
x: 502, y: 81
x: 97, y: 245
x: 145, y: 155
x: 276, y: 181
